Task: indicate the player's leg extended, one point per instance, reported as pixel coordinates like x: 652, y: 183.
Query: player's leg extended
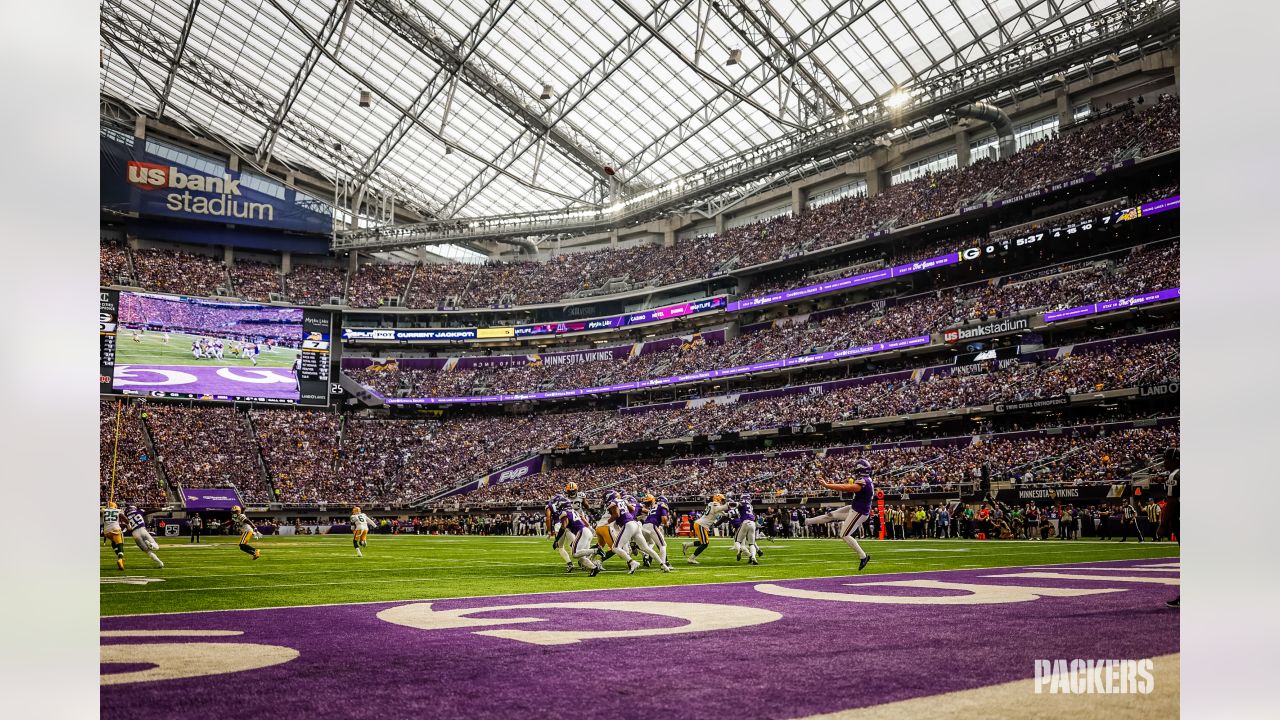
x: 148, y: 545
x: 749, y: 539
x: 582, y: 550
x: 246, y: 547
x: 702, y: 540
x: 838, y: 515
x: 643, y: 542
x: 654, y: 535
x: 853, y: 521
x: 622, y: 544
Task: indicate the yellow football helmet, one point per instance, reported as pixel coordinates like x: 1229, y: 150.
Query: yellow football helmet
x: 355, y: 510
x: 235, y: 508
x: 717, y: 498
x: 111, y: 504
x: 571, y: 487
x: 649, y: 499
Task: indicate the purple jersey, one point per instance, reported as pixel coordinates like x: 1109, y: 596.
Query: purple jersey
x: 746, y: 512
x: 624, y: 512
x: 656, y: 515
x: 862, y: 499
x: 135, y: 520
x: 572, y: 521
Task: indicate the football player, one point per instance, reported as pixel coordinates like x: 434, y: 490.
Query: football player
x: 853, y: 515
x: 111, y: 531
x: 556, y: 531
x: 577, y: 537
x: 621, y: 511
x: 657, y: 517
x: 702, y: 528
x: 744, y: 538
x: 141, y: 536
x: 605, y: 531
x: 359, y: 530
x: 247, y: 531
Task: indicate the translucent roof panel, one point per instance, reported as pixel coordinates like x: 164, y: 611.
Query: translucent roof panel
x: 457, y: 125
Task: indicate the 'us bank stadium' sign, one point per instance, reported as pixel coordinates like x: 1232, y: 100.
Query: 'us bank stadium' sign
x: 134, y: 180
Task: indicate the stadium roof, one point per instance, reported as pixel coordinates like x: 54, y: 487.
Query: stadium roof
x: 457, y: 125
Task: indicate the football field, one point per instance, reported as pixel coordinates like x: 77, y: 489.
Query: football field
x: 495, y: 628
x: 151, y: 349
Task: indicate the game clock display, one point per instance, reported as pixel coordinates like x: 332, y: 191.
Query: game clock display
x: 181, y: 347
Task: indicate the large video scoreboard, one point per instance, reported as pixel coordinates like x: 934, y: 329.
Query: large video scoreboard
x: 173, y: 346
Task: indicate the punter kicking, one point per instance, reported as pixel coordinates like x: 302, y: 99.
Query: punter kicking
x: 853, y: 515
x: 702, y: 528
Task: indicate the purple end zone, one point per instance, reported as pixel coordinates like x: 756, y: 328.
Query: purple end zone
x: 818, y: 656
x: 237, y: 381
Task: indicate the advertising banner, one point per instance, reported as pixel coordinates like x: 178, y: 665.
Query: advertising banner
x: 134, y: 180
x: 210, y: 498
x: 1109, y: 305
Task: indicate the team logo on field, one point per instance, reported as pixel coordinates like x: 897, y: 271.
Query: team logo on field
x: 698, y: 617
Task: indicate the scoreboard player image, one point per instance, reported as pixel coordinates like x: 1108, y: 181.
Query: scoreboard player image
x: 207, y: 347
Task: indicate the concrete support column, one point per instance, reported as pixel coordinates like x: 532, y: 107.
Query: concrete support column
x: 962, y: 148
x: 613, y: 238
x: 798, y: 198
x: 875, y: 181
x: 1066, y: 114
x: 668, y: 234
x: 228, y: 256
x: 234, y: 164
x: 140, y: 127
x: 286, y: 262
x: 353, y: 263
x: 719, y: 223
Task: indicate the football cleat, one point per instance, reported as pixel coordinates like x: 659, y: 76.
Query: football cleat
x: 684, y: 548
x: 120, y: 563
x: 666, y: 567
x: 257, y: 554
x: 632, y: 567
x: 568, y: 568
x: 753, y: 561
x: 692, y: 561
x: 759, y: 552
x: 863, y: 562
x: 647, y: 561
x: 595, y: 570
x: 739, y: 556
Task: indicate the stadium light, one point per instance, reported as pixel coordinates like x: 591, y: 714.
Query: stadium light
x: 366, y: 98
x: 897, y: 99
x: 546, y: 92
x: 735, y: 55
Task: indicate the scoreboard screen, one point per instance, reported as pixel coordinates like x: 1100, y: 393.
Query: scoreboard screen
x: 173, y: 346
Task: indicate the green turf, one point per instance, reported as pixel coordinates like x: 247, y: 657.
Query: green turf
x: 310, y: 570
x: 151, y: 350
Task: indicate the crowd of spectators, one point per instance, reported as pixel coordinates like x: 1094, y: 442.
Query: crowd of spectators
x: 314, y: 457
x: 1065, y: 459
x: 374, y: 283
x: 300, y: 449
x: 207, y: 446
x: 255, y: 280
x: 1154, y: 128
x: 113, y: 262
x: 126, y: 457
x: 1141, y: 271
x: 314, y: 284
x: 178, y: 272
